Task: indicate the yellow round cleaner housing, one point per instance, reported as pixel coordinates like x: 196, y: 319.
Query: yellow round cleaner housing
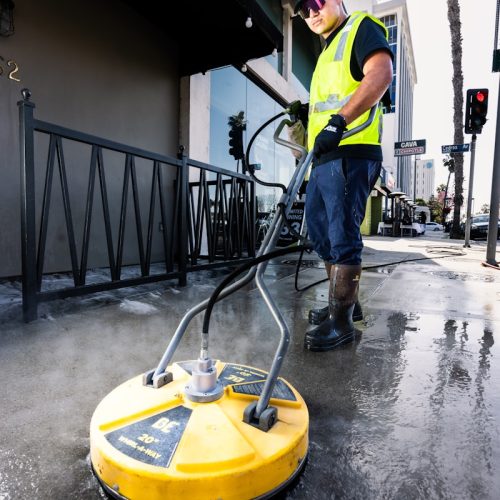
x: 178, y: 442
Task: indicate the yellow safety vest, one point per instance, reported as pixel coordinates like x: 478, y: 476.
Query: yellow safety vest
x: 332, y: 86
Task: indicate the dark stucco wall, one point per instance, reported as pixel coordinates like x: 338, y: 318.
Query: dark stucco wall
x: 92, y: 66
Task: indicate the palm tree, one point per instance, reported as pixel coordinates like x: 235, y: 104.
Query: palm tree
x: 441, y: 188
x: 458, y: 103
x: 237, y: 120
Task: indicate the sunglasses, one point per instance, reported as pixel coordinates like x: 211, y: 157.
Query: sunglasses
x: 306, y: 6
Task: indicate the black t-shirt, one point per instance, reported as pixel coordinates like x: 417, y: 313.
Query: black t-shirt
x: 370, y: 37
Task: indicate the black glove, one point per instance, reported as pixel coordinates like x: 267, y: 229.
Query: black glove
x: 329, y: 138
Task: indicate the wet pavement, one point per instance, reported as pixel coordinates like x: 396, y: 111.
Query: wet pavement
x: 411, y: 410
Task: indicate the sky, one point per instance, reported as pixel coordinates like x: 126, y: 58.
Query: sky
x: 433, y: 95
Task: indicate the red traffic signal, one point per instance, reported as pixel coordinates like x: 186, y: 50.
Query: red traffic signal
x: 476, y: 109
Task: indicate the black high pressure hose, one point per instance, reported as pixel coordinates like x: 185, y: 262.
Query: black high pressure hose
x: 363, y: 268
x: 276, y: 253
x: 293, y: 109
x: 247, y: 155
x: 237, y: 272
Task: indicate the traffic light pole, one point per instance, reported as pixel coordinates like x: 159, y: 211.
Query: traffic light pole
x: 415, y: 179
x: 495, y: 195
x: 471, y: 184
x: 495, y: 181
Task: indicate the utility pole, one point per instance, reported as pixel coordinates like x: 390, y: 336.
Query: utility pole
x: 495, y: 181
x: 415, y: 179
x: 495, y: 195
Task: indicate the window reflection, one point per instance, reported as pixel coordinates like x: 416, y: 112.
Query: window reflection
x: 231, y: 93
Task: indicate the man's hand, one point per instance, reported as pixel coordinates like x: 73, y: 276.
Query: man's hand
x: 297, y: 135
x: 329, y: 138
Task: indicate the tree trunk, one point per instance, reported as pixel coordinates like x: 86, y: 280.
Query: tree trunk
x: 443, y: 215
x: 458, y: 104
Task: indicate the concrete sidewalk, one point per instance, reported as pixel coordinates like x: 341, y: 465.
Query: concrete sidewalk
x: 409, y: 411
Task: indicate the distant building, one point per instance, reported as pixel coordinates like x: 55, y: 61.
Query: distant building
x: 424, y: 180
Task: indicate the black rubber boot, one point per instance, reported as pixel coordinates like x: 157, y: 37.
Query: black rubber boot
x: 317, y: 316
x: 338, y: 328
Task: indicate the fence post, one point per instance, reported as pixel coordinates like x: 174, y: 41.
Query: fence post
x: 28, y: 227
x: 253, y: 220
x: 183, y: 249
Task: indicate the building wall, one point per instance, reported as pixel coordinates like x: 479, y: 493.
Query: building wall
x: 366, y: 224
x: 388, y: 134
x: 364, y: 5
x: 92, y: 66
x: 373, y: 214
x: 195, y: 134
x: 425, y: 183
x: 377, y: 211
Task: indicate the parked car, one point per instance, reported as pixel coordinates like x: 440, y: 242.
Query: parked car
x: 433, y: 226
x: 479, y: 227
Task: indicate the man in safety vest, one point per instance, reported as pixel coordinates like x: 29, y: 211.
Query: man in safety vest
x: 352, y: 74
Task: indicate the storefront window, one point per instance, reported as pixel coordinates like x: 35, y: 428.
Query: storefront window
x: 231, y: 93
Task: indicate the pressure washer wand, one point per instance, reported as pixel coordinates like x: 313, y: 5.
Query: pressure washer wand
x: 159, y: 377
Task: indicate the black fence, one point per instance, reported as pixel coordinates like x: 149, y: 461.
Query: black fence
x: 198, y: 216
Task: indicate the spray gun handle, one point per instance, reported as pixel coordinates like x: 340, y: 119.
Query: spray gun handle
x: 283, y: 142
x: 293, y: 110
x: 300, y: 149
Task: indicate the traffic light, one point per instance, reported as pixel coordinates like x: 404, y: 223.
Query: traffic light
x: 236, y: 141
x: 476, y: 108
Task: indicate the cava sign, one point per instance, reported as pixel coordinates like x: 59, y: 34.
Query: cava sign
x: 407, y: 148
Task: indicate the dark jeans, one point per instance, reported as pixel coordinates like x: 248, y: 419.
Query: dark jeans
x: 337, y: 193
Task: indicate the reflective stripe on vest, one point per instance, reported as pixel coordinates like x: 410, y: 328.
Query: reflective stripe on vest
x: 332, y: 86
x: 339, y: 53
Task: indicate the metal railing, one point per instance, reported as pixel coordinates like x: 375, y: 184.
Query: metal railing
x: 221, y: 215
x: 208, y: 223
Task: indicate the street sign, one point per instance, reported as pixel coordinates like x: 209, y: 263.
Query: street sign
x: 407, y: 148
x: 455, y: 148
